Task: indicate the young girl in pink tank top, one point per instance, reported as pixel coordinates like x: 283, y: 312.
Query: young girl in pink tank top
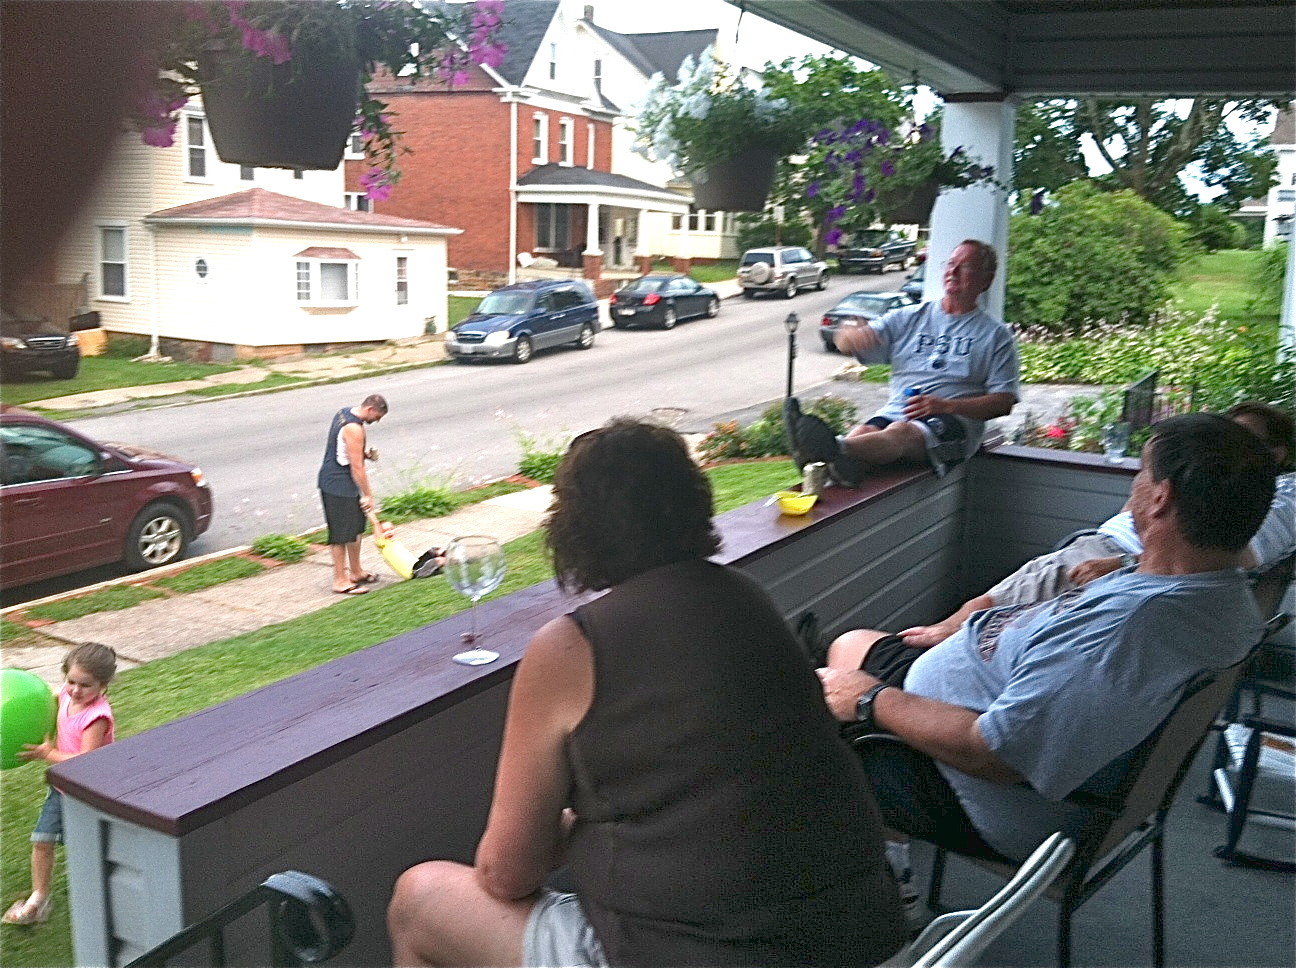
x: 85, y: 723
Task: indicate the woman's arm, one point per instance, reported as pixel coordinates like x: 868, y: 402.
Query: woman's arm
x: 525, y: 832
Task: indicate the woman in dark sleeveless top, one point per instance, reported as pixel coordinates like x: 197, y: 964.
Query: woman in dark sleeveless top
x: 669, y: 743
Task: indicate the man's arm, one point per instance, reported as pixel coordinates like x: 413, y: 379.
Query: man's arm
x: 984, y: 407
x: 854, y: 336
x: 353, y: 437
x: 944, y: 732
x: 526, y: 831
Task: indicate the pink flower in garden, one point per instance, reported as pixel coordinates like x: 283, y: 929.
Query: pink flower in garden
x: 1054, y: 432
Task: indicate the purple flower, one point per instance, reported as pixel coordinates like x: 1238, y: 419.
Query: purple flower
x: 160, y: 137
x: 1037, y: 202
x: 377, y: 183
x: 883, y: 136
x: 833, y: 236
x: 887, y: 167
x: 925, y: 131
x: 812, y: 189
x: 834, y: 213
x: 853, y: 156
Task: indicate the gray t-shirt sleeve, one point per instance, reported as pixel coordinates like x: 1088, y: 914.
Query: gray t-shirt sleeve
x: 1103, y: 672
x: 1004, y: 374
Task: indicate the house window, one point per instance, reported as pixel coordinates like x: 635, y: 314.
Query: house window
x: 553, y: 61
x: 598, y: 70
x: 589, y: 146
x: 298, y: 174
x: 402, y: 280
x: 551, y: 226
x: 112, y: 261
x: 358, y: 202
x: 565, y: 141
x: 540, y: 139
x: 247, y: 172
x: 196, y: 145
x: 331, y: 279
x: 354, y: 146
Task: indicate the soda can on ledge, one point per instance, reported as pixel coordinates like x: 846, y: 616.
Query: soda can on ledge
x: 813, y: 477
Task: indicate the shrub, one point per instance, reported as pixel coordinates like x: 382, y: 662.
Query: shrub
x: 754, y: 232
x: 541, y: 456
x: 281, y: 547
x: 125, y: 346
x: 419, y: 501
x: 764, y: 437
x: 1090, y: 258
x: 1267, y: 281
x: 1211, y: 228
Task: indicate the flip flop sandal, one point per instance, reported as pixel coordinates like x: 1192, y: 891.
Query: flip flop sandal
x: 352, y: 590
x: 24, y: 912
x: 369, y: 578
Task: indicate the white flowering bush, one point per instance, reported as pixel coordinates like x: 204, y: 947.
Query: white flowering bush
x: 709, y: 115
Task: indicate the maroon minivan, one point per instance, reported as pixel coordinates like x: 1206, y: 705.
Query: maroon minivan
x: 67, y: 502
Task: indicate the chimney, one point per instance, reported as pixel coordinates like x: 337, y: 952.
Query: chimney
x: 589, y: 13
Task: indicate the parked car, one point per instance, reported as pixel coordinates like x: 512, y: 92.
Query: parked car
x: 69, y: 502
x: 661, y: 301
x: 30, y: 344
x: 858, y: 305
x: 913, y: 286
x: 516, y: 321
x: 874, y: 250
x: 780, y: 268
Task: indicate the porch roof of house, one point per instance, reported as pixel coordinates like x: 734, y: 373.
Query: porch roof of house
x: 258, y: 206
x: 585, y: 184
x: 1037, y: 48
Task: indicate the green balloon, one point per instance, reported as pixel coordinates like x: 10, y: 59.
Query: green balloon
x: 27, y: 713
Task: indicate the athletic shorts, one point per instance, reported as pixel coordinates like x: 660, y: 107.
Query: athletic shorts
x: 558, y: 935
x: 49, y: 825
x: 946, y: 438
x: 345, y: 520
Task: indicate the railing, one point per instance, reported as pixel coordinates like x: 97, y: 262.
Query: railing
x: 1140, y: 401
x: 309, y: 924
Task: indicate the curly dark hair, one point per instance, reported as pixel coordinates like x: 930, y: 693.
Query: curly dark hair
x: 627, y: 498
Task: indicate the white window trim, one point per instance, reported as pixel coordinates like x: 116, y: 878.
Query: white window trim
x: 315, y: 302
x: 553, y: 62
x: 99, y: 259
x: 566, y: 142
x: 396, y: 291
x: 540, y: 156
x: 589, y: 145
x: 206, y: 146
x: 351, y: 202
x: 354, y: 150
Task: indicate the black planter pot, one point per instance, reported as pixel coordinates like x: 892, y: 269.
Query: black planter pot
x: 740, y: 184
x: 298, y: 114
x: 911, y: 207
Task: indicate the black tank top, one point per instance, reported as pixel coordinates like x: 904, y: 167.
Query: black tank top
x: 335, y: 478
x: 721, y: 818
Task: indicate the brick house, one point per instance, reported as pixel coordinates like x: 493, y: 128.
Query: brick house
x: 532, y: 159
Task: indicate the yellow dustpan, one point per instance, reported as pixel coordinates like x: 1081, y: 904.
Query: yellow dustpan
x: 398, y: 557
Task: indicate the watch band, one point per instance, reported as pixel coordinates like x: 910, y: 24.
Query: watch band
x: 864, y: 705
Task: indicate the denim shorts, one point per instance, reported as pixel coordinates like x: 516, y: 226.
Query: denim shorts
x: 49, y: 825
x: 558, y: 934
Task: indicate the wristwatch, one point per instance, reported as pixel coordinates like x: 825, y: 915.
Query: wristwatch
x: 864, y: 705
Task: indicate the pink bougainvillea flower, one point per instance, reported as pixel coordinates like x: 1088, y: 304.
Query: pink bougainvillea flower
x: 162, y: 136
x: 1055, y: 432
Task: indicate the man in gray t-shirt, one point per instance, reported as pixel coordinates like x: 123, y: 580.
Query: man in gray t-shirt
x: 1024, y: 703
x: 953, y: 367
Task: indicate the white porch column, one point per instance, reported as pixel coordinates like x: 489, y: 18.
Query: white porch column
x: 1287, y: 316
x: 985, y: 130
x: 592, y: 231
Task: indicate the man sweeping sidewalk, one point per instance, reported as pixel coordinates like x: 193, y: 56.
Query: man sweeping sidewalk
x: 345, y: 491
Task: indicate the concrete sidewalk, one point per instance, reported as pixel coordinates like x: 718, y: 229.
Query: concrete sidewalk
x: 164, y: 626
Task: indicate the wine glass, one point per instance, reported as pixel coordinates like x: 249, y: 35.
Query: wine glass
x: 474, y: 565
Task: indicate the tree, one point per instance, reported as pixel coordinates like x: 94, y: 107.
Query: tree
x: 1149, y: 144
x: 1090, y: 257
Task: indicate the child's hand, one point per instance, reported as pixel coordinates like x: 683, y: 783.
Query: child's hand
x: 36, y: 751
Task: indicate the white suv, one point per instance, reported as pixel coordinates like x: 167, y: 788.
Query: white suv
x: 780, y: 268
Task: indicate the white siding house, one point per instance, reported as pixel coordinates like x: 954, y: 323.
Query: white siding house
x: 204, y: 256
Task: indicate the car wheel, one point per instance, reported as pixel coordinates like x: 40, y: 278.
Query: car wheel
x: 829, y: 346
x: 158, y: 536
x: 66, y: 371
x: 523, y: 350
x: 713, y: 307
x: 620, y: 322
x: 790, y: 290
x: 669, y: 318
x: 586, y: 338
x: 822, y: 282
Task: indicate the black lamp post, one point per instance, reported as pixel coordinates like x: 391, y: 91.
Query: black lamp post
x: 790, y: 324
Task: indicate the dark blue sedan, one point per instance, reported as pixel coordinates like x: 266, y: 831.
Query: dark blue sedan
x: 661, y: 301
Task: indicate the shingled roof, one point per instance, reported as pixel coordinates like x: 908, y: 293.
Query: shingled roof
x: 256, y: 205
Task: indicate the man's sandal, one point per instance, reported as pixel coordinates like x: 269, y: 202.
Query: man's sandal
x: 24, y: 912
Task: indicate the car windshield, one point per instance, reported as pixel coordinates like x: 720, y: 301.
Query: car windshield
x: 751, y: 258
x: 919, y: 273
x: 505, y: 304
x: 645, y: 285
x: 865, y: 303
x: 869, y: 238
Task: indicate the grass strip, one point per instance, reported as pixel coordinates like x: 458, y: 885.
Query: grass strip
x: 104, y: 600
x: 210, y: 573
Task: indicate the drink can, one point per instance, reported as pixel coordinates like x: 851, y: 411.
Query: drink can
x: 813, y: 477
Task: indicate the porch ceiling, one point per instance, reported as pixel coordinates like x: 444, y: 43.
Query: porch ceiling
x: 1034, y: 48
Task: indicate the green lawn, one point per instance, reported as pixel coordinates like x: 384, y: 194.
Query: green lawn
x: 182, y: 684
x: 103, y: 373
x: 461, y: 307
x: 704, y: 271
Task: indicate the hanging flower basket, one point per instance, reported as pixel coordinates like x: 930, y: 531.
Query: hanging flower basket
x: 911, y: 206
x: 298, y: 114
x: 740, y: 184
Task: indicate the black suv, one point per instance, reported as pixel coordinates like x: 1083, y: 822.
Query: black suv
x: 29, y: 344
x: 515, y: 321
x: 873, y: 250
